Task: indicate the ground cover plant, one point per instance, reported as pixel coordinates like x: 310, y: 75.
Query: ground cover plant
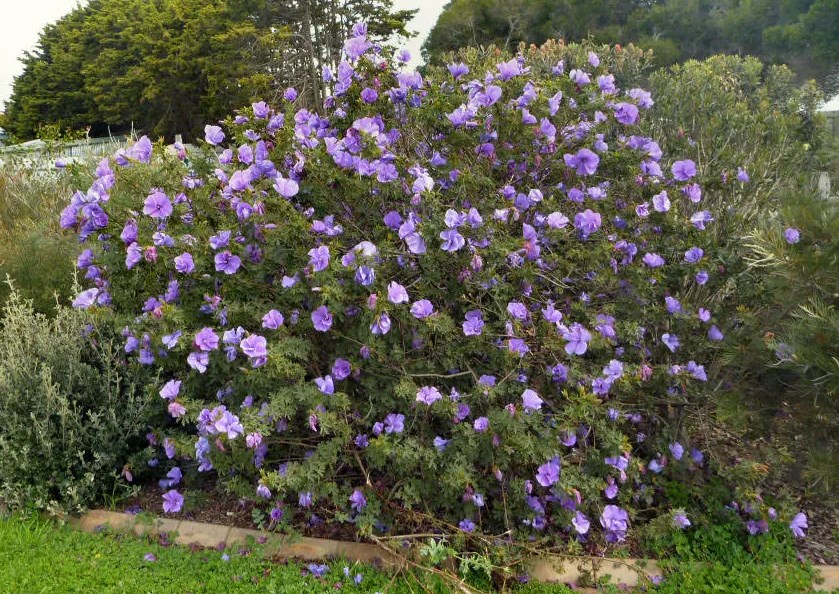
x: 469, y: 304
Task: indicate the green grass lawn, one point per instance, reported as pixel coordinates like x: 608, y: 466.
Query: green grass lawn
x: 41, y: 557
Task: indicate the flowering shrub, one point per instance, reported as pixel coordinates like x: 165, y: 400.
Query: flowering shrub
x: 442, y: 302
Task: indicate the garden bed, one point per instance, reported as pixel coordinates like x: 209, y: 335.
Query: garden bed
x: 628, y: 572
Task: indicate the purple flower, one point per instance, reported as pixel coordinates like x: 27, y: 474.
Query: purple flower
x: 742, y: 175
x: 683, y: 170
x: 517, y: 310
x: 254, y: 346
x: 319, y: 258
x: 587, y: 222
x: 317, y: 570
x: 173, y: 502
x: 394, y: 423
x: 481, y: 424
x: 263, y: 492
x: 272, y: 320
x: 581, y: 523
x: 585, y: 161
x: 227, y: 263
x: 440, y: 444
x: 467, y: 525
x: 461, y: 116
x: 792, y: 235
x: 206, y: 340
x: 452, y: 240
x: 365, y: 276
x: 428, y: 395
x: 355, y: 47
x: 557, y: 220
x: 531, y: 401
x: 369, y: 95
x: 170, y: 389
x: 798, y: 525
x: 699, y: 219
x: 697, y: 371
x: 547, y: 474
x: 653, y: 260
x: 474, y: 324
x: 509, y: 69
x: 671, y: 341
x: 626, y: 113
x: 661, y: 202
x: 613, y: 370
x: 757, y: 527
x: 86, y: 299
x: 422, y: 309
x: 157, y: 205
x: 714, y: 334
x: 341, y: 369
x: 396, y: 293
x: 611, y: 490
x: 184, y: 263
x: 322, y: 319
x: 213, y: 135
x: 694, y: 255
x: 672, y: 305
x: 149, y: 557
x: 458, y: 70
x: 287, y: 188
x: 304, y: 499
x: 578, y: 338
x: 579, y: 77
x: 615, y: 522
x: 381, y: 324
x: 357, y: 500
x: 677, y: 450
x: 681, y: 521
x: 198, y: 361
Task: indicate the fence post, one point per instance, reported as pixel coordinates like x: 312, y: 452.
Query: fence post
x: 824, y: 185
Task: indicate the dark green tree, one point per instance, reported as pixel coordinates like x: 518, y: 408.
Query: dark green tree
x: 801, y: 33
x: 165, y: 67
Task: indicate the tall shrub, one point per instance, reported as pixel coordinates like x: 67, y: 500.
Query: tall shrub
x: 458, y: 301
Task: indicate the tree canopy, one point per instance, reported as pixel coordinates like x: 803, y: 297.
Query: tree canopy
x: 802, y: 33
x: 165, y: 67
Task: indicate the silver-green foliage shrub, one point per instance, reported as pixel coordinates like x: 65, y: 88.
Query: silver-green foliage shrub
x: 71, y: 412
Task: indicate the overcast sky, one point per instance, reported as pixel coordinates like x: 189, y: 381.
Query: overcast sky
x: 22, y: 22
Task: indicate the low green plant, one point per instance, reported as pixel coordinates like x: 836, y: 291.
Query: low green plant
x: 33, y: 251
x: 71, y: 411
x: 726, y: 559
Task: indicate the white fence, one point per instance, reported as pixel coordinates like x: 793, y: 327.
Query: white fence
x: 41, y: 154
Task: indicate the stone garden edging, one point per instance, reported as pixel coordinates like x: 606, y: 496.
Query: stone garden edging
x: 561, y: 570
